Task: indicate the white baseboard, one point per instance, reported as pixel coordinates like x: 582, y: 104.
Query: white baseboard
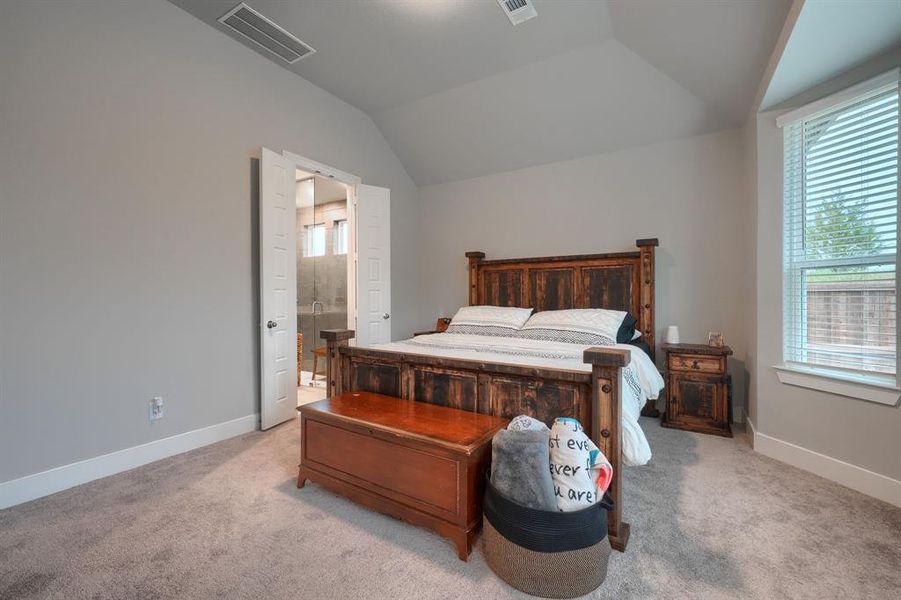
x: 61, y: 478
x: 857, y: 478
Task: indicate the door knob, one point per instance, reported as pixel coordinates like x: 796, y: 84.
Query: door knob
x: 386, y: 316
x: 271, y: 324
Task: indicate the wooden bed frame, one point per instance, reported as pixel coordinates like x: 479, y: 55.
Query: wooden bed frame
x: 618, y: 281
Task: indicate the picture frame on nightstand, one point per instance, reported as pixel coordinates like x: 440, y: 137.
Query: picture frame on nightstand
x: 440, y: 327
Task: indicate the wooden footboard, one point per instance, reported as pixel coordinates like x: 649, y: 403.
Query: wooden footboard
x: 606, y: 408
x: 498, y: 389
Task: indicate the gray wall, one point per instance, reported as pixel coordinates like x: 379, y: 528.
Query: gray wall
x: 688, y: 193
x: 748, y: 277
x: 127, y: 265
x: 861, y: 433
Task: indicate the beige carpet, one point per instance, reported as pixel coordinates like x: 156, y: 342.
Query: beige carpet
x: 710, y: 519
x: 307, y: 394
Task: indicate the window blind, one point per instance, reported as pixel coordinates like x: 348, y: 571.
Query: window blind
x: 841, y: 235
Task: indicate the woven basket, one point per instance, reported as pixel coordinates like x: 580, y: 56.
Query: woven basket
x: 544, y: 553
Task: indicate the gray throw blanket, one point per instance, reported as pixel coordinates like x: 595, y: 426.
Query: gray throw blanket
x: 520, y: 468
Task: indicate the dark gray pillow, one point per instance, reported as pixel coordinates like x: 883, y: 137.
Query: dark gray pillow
x: 520, y: 468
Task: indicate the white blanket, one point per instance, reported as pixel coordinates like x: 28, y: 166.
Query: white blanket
x: 641, y: 379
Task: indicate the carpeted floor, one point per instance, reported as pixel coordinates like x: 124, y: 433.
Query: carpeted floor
x: 710, y: 519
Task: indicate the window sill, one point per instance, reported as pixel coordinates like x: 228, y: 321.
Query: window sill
x: 880, y: 392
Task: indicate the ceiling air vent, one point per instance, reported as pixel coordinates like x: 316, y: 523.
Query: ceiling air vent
x: 254, y: 26
x: 518, y: 10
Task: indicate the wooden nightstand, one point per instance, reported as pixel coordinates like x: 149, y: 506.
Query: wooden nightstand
x: 698, y: 388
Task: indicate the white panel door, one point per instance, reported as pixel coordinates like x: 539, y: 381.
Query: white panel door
x: 278, y: 290
x: 373, y: 265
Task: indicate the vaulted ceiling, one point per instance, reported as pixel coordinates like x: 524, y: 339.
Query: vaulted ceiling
x: 856, y: 33
x: 459, y: 92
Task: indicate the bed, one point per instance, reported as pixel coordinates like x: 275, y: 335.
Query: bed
x: 511, y: 377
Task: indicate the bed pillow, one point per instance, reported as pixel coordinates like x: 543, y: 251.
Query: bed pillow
x: 585, y: 326
x: 627, y: 332
x: 489, y: 320
x: 580, y: 471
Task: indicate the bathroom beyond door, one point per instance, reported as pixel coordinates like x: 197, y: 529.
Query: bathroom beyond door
x: 323, y: 243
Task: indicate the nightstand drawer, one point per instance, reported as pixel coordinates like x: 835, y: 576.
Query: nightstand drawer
x: 697, y: 363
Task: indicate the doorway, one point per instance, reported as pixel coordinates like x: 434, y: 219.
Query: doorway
x: 303, y: 297
x: 323, y: 274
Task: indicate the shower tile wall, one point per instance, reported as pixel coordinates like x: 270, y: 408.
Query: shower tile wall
x: 328, y: 279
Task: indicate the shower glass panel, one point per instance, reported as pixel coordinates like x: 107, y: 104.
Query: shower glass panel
x: 322, y: 240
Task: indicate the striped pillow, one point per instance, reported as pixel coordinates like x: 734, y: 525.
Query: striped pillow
x: 583, y: 326
x: 489, y: 320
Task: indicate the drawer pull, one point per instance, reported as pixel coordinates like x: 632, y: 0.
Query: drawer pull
x: 695, y: 364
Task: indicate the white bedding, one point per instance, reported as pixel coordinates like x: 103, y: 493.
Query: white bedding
x: 641, y: 379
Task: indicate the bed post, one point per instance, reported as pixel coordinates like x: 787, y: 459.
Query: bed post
x: 606, y: 432
x: 646, y: 297
x: 334, y: 375
x: 474, y: 259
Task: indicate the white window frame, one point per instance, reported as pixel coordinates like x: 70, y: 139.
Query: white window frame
x: 868, y: 387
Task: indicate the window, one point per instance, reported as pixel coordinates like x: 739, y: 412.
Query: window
x: 315, y: 240
x: 841, y: 235
x: 340, y: 243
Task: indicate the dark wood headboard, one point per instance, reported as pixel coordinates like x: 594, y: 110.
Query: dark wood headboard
x: 617, y: 281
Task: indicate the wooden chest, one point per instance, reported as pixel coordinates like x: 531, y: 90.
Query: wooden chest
x: 697, y: 388
x: 415, y: 461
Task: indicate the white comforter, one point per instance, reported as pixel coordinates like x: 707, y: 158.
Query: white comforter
x: 641, y: 379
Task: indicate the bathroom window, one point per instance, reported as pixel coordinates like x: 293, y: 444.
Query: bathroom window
x: 315, y: 240
x: 341, y: 237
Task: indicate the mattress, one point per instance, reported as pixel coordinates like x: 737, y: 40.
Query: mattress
x: 642, y: 380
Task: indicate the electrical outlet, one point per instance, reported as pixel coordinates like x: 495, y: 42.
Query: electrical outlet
x: 156, y: 408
